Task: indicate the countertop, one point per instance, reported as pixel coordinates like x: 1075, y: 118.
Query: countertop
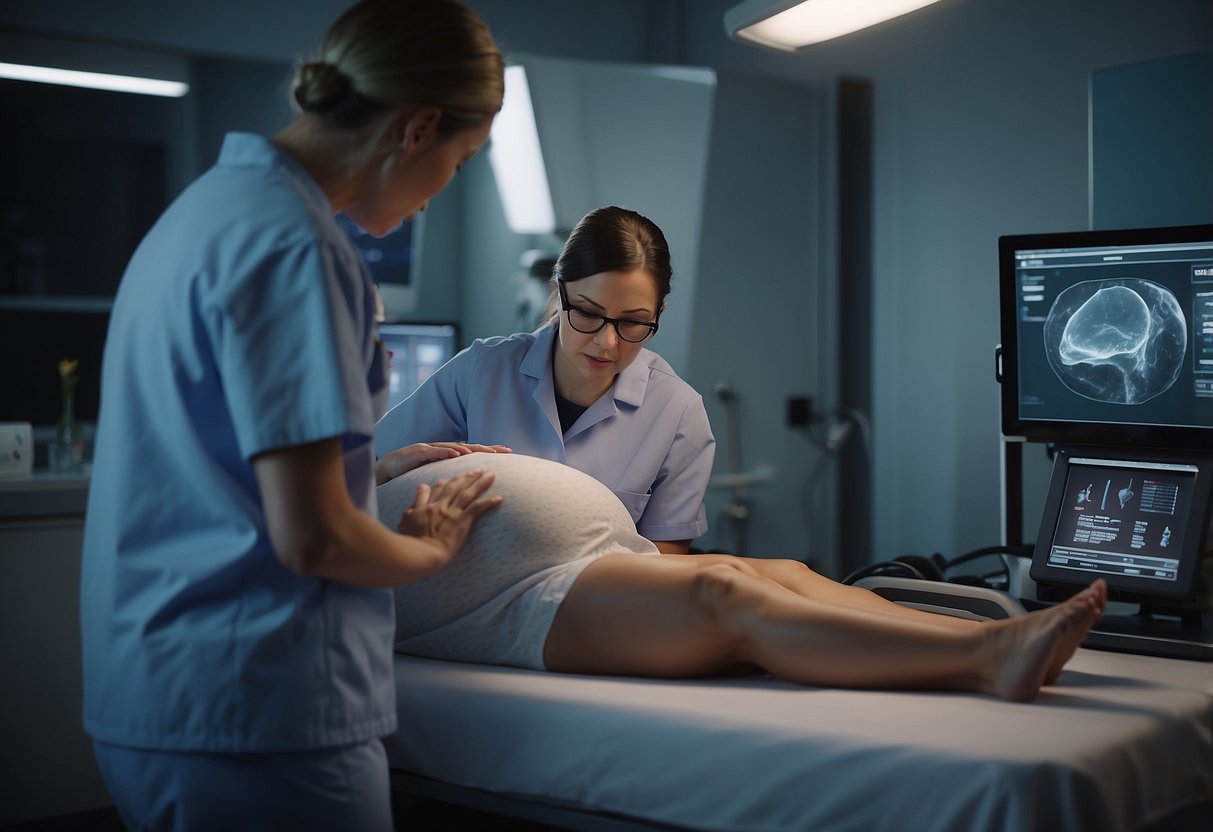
x: 43, y: 494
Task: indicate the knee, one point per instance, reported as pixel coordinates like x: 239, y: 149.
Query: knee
x: 792, y: 573
x: 718, y: 585
x: 794, y: 568
x: 728, y: 600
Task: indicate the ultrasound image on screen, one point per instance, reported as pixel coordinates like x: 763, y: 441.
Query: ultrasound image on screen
x: 1118, y: 341
x: 1115, y: 335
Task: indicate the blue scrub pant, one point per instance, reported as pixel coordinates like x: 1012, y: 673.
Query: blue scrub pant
x: 343, y: 788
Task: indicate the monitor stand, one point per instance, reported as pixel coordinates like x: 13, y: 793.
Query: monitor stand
x: 1185, y: 636
x: 1174, y: 632
x: 1151, y: 631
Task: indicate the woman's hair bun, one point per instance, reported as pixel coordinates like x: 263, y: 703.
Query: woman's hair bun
x: 385, y: 55
x: 320, y: 86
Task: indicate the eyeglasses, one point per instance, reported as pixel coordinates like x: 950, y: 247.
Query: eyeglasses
x: 588, y: 323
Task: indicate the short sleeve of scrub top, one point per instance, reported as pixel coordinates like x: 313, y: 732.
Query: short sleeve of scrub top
x: 674, y: 508
x: 244, y: 323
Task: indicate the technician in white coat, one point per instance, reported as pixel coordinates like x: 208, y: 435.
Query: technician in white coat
x: 582, y: 389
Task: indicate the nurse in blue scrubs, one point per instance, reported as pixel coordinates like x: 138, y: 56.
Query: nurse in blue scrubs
x: 237, y: 626
x: 582, y: 389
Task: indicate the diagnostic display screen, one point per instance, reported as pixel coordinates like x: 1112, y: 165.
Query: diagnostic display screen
x: 1108, y: 337
x: 1123, y: 519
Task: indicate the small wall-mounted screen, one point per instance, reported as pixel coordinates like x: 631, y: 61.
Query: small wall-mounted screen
x: 391, y: 258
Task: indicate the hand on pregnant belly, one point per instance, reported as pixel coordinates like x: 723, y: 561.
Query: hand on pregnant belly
x: 443, y: 513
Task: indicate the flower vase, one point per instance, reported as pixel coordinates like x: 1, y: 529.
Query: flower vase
x: 67, y: 445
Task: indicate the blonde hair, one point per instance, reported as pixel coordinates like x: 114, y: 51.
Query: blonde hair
x: 386, y: 54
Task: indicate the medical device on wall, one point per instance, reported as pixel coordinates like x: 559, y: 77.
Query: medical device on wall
x: 1107, y: 355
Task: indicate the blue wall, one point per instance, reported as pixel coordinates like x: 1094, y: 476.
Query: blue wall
x: 1152, y: 142
x: 980, y: 129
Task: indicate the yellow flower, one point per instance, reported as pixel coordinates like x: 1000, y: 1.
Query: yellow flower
x: 67, y: 368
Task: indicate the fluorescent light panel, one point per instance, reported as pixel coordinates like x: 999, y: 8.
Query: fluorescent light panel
x: 93, y: 80
x: 517, y: 160
x: 790, y: 26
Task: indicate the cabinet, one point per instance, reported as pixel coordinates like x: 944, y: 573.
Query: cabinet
x: 46, y: 757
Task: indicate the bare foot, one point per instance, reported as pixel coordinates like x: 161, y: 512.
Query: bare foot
x: 1027, y: 650
x: 1098, y: 592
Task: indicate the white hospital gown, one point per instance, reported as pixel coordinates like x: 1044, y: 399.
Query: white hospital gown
x: 495, y: 601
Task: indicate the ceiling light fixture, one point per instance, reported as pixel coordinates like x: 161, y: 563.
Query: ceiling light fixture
x: 788, y: 25
x: 93, y: 80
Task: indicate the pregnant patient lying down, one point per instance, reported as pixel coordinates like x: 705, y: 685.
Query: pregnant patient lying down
x: 557, y: 578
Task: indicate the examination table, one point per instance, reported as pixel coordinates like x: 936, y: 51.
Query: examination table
x: 1122, y: 742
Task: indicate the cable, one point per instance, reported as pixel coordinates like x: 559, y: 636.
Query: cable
x: 1023, y: 551
x: 810, y: 489
x: 839, y: 424
x: 935, y: 567
x: 907, y: 570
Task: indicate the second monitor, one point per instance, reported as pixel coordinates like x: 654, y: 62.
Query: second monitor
x: 413, y: 352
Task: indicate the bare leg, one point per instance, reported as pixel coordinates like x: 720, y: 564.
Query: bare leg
x: 802, y: 580
x: 672, y: 617
x: 797, y: 577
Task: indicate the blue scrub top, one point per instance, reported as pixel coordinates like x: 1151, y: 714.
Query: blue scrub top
x: 647, y: 438
x: 244, y: 323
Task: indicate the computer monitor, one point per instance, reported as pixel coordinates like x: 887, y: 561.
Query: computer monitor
x: 390, y: 257
x: 393, y: 261
x: 1107, y: 337
x: 414, y: 351
x: 1139, y: 520
x: 1107, y: 354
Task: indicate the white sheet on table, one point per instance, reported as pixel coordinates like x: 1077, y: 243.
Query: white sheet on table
x: 1122, y: 741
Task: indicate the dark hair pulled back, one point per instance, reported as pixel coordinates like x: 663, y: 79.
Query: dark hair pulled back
x: 613, y: 239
